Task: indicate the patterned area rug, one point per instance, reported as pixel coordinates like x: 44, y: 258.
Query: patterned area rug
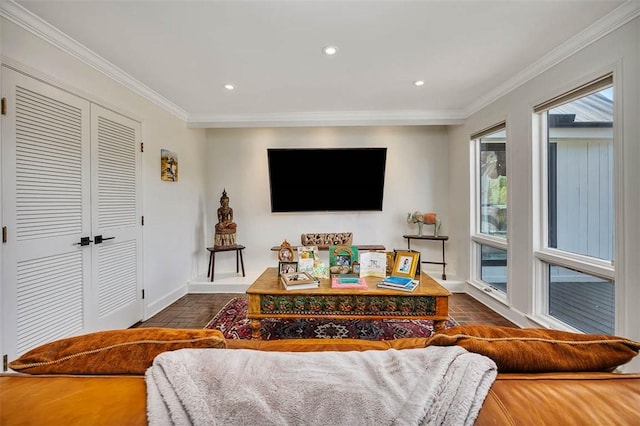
x: 233, y: 322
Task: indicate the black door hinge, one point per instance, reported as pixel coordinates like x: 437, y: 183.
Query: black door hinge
x: 4, y: 234
x: 143, y: 293
x: 141, y: 146
x: 5, y: 362
x: 142, y: 221
x: 4, y: 106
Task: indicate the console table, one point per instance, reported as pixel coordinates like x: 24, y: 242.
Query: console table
x: 442, y: 238
x: 212, y: 257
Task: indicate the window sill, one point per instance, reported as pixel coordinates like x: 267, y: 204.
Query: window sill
x: 492, y: 292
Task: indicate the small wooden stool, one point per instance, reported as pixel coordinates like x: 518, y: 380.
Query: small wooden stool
x: 212, y: 257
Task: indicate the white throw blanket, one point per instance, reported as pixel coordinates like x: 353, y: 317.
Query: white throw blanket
x: 432, y: 386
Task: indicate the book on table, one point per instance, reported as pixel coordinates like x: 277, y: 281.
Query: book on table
x: 299, y: 281
x: 410, y: 286
x: 397, y: 281
x: 349, y: 282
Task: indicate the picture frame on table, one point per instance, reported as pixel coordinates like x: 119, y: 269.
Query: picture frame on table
x: 341, y: 259
x: 406, y: 263
x: 391, y: 259
x: 307, y: 258
x: 287, y: 267
x: 418, y: 268
x: 298, y: 278
x: 374, y: 264
x: 285, y: 253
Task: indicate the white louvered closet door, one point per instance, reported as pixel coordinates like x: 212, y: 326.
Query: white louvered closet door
x: 70, y: 169
x: 115, y: 142
x: 46, y: 179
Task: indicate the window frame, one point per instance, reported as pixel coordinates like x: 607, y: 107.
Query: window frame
x: 477, y: 238
x: 543, y: 255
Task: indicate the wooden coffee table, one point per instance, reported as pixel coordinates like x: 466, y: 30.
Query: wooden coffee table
x: 268, y: 299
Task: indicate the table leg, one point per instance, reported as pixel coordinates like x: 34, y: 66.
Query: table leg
x: 209, y: 268
x: 237, y: 268
x: 213, y: 263
x: 241, y: 262
x: 439, y: 325
x: 255, y: 328
x: 444, y: 263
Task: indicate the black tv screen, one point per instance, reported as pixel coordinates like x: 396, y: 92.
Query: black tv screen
x: 326, y: 179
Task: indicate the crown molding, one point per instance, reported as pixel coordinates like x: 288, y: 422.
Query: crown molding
x: 329, y: 118
x: 42, y: 29
x: 605, y: 25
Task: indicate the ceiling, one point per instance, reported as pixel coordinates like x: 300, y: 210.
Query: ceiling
x: 180, y: 54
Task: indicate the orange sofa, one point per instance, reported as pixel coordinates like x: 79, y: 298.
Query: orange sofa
x: 98, y: 379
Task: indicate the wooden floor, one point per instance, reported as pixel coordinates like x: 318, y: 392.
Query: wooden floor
x: 195, y: 311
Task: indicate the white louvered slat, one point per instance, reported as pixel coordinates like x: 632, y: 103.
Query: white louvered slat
x: 48, y: 166
x: 117, y: 271
x: 49, y: 299
x: 116, y: 175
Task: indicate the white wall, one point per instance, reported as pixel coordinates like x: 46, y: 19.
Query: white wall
x: 416, y: 178
x: 173, y: 235
x: 620, y: 52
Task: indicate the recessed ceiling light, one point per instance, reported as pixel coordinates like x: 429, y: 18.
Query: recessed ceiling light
x: 418, y: 83
x: 330, y: 50
x: 229, y: 86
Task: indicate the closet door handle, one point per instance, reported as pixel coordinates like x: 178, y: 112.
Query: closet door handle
x: 84, y: 241
x: 100, y: 239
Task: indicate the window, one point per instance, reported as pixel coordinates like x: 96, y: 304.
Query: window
x: 489, y: 238
x: 577, y: 248
x: 570, y: 289
x: 493, y: 267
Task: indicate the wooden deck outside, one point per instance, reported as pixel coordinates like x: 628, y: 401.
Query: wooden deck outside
x: 587, y: 306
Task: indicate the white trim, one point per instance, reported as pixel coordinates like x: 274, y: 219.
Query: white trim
x: 328, y: 118
x: 610, y: 22
x: 46, y: 78
x: 490, y: 291
x: 585, y: 264
x: 485, y: 240
x: 32, y: 23
x: 200, y: 288
x: 618, y: 262
x: 550, y: 322
x: 498, y: 306
x: 168, y: 299
x: 42, y: 29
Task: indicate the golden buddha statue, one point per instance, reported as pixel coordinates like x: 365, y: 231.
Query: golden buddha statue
x: 225, y: 229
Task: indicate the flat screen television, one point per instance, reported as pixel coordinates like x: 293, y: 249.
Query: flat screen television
x: 326, y: 179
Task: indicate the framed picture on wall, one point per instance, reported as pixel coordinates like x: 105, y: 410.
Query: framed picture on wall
x: 168, y: 165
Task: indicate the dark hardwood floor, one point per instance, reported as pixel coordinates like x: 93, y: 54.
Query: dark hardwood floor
x: 195, y: 311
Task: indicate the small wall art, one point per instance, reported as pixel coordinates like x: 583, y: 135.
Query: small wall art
x: 169, y: 165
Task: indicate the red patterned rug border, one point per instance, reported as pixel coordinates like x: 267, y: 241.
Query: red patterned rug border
x: 232, y: 321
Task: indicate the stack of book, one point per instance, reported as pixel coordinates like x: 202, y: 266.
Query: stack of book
x: 399, y: 283
x: 349, y: 282
x: 299, y: 281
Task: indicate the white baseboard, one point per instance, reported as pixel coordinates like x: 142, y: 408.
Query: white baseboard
x: 158, y: 305
x: 223, y: 283
x: 452, y: 283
